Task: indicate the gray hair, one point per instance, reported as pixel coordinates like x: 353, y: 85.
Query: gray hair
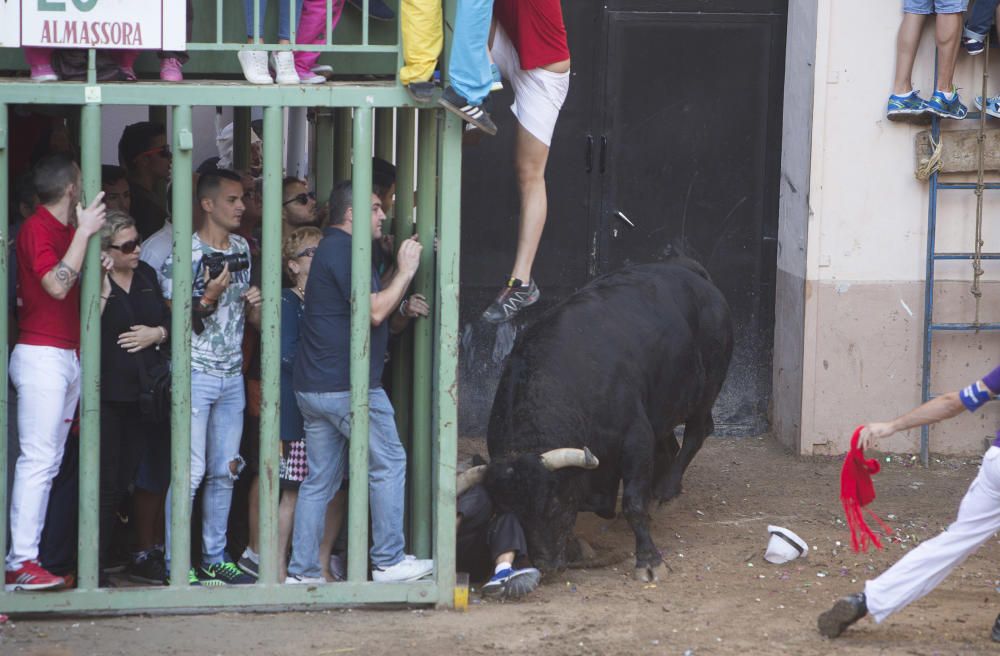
x: 114, y: 222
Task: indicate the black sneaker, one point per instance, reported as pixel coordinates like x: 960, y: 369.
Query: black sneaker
x: 995, y: 634
x: 421, y: 92
x: 514, y: 297
x: 223, y: 574
x: 512, y: 583
x: 844, y: 613
x: 152, y: 569
x: 474, y: 114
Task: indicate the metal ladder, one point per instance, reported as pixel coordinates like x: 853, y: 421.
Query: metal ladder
x: 933, y: 256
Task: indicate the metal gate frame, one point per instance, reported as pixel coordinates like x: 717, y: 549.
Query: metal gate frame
x: 432, y: 392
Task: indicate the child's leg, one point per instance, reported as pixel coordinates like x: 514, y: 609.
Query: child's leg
x: 907, y: 42
x: 980, y: 19
x: 469, y: 65
x: 423, y: 38
x: 312, y: 29
x: 949, y: 37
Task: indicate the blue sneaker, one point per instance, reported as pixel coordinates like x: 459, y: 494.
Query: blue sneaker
x: 512, y: 583
x: 941, y: 106
x: 906, y: 108
x: 992, y: 106
x: 973, y: 46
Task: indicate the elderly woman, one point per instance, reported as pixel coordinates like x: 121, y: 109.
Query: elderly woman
x: 134, y: 324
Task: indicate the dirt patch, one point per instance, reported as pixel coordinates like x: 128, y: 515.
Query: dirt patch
x: 721, y: 597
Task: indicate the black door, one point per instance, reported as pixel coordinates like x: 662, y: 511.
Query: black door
x: 670, y: 136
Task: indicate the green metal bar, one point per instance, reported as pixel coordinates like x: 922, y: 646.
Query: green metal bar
x: 180, y: 345
x: 204, y: 46
x: 323, y: 154
x: 342, y: 140
x: 293, y: 22
x: 218, y: 21
x: 5, y: 244
x: 361, y: 282
x: 236, y: 597
x: 446, y: 383
x: 365, y: 19
x: 90, y: 356
x: 270, y: 330
x: 209, y: 93
x: 241, y: 138
x: 383, y: 133
x: 402, y: 224
x: 423, y: 340
x: 329, y: 14
x: 256, y: 22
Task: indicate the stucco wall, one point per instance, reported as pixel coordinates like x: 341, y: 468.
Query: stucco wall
x: 864, y: 261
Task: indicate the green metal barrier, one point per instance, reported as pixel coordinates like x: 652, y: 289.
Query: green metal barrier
x: 345, y: 139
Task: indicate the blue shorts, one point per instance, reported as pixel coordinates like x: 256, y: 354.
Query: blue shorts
x: 934, y: 6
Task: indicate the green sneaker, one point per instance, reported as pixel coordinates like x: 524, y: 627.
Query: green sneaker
x: 192, y: 577
x: 226, y: 573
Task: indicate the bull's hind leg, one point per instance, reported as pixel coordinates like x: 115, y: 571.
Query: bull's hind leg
x: 696, y: 429
x: 637, y: 474
x: 666, y: 455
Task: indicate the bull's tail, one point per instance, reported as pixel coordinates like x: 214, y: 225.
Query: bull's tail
x: 681, y: 253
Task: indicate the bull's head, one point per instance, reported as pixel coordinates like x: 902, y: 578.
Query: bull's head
x: 538, y: 489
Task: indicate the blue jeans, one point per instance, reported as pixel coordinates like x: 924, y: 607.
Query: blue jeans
x: 216, y: 428
x: 980, y: 19
x: 283, y: 17
x: 469, y: 66
x: 328, y: 428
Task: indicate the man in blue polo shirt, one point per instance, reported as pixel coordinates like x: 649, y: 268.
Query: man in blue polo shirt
x: 321, y: 380
x: 923, y: 568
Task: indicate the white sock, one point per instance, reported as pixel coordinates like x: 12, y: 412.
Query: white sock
x: 907, y: 94
x: 502, y: 567
x: 252, y: 555
x: 948, y: 95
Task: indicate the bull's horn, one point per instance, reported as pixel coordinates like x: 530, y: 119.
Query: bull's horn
x: 559, y: 458
x: 468, y: 478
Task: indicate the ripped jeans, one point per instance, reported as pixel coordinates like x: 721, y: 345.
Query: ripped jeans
x: 216, y: 428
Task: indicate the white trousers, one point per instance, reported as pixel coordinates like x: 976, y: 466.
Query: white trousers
x: 47, y: 380
x: 920, y: 571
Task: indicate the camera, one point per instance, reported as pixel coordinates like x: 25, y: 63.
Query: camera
x: 216, y: 261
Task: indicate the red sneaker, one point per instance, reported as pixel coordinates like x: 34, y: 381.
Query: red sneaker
x: 32, y: 576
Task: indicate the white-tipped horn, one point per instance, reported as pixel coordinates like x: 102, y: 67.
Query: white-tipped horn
x: 559, y: 458
x: 468, y: 478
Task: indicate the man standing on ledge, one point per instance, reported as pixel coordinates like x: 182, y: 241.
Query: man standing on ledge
x: 322, y: 383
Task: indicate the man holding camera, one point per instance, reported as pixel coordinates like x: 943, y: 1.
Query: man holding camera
x: 223, y: 300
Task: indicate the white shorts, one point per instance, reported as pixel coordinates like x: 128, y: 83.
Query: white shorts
x: 538, y: 94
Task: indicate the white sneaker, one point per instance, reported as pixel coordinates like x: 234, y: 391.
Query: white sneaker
x: 295, y: 579
x: 254, y: 65
x: 284, y: 68
x: 408, y: 569
x: 312, y: 79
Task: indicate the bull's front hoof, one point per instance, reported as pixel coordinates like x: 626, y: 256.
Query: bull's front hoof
x: 650, y: 573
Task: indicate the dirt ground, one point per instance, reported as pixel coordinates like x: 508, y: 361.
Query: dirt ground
x: 721, y: 597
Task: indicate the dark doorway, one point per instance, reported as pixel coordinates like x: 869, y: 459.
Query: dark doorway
x: 670, y: 136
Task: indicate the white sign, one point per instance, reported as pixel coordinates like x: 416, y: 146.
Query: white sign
x: 106, y: 24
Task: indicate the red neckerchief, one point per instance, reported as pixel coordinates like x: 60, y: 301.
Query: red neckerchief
x: 856, y: 492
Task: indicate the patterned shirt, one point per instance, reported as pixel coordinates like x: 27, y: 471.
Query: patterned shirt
x: 217, y: 350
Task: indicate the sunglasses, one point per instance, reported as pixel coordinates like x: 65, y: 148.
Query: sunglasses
x: 301, y: 199
x: 127, y: 247
x: 309, y: 252
x: 162, y: 151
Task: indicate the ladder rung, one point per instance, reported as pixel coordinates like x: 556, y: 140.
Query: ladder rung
x: 944, y: 186
x: 966, y: 256
x: 961, y: 327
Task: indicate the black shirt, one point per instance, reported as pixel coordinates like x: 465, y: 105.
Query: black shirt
x: 147, y: 210
x: 323, y: 361
x: 145, y: 307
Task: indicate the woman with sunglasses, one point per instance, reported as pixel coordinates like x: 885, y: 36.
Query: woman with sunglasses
x: 134, y: 324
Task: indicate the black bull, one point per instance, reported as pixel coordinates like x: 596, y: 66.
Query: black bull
x: 615, y: 367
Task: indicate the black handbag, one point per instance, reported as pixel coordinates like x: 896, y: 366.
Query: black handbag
x: 154, y: 381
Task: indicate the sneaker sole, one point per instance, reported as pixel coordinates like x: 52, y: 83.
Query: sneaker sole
x: 916, y: 117
x: 941, y: 114
x: 468, y: 119
x: 410, y: 579
x: 248, y: 572
x: 145, y: 579
x: 833, y: 622
x: 27, y: 587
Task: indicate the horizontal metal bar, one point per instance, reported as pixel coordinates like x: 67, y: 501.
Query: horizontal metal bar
x: 355, y: 48
x: 961, y: 327
x: 966, y: 256
x: 244, y: 597
x: 229, y: 93
x: 966, y: 185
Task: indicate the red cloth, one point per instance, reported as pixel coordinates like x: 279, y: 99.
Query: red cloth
x: 43, y: 320
x: 536, y: 29
x: 856, y: 492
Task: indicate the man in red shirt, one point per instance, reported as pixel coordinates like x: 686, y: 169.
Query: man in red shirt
x: 44, y: 366
x: 530, y: 49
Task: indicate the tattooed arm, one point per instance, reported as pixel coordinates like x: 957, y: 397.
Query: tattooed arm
x: 61, y: 278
